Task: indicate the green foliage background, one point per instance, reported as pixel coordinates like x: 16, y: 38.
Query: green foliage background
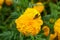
x: 8, y: 14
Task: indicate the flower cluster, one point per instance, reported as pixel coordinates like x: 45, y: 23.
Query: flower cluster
x: 30, y: 22
x: 7, y: 2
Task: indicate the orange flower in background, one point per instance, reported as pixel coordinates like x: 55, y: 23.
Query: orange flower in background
x: 1, y: 2
x: 57, y: 28
x: 52, y: 36
x: 39, y: 6
x: 28, y: 24
x: 8, y: 2
x: 46, y: 30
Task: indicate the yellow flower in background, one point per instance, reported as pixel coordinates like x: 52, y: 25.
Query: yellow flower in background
x: 0, y: 7
x: 51, y: 20
x: 18, y: 8
x: 32, y: 1
x: 8, y: 2
x: 1, y: 2
x: 29, y: 22
x: 52, y: 36
x: 46, y: 30
x: 39, y: 6
x: 57, y: 28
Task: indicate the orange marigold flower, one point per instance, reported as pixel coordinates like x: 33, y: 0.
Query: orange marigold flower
x: 8, y: 2
x: 52, y: 36
x: 58, y: 36
x: 46, y: 30
x: 39, y: 6
x: 1, y: 2
x: 57, y: 27
x: 28, y: 24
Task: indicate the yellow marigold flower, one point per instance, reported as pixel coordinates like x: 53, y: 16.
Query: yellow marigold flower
x: 27, y: 23
x: 52, y: 36
x: 1, y: 2
x: 8, y: 2
x: 46, y: 30
x: 39, y: 7
x: 57, y: 27
x: 51, y: 20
